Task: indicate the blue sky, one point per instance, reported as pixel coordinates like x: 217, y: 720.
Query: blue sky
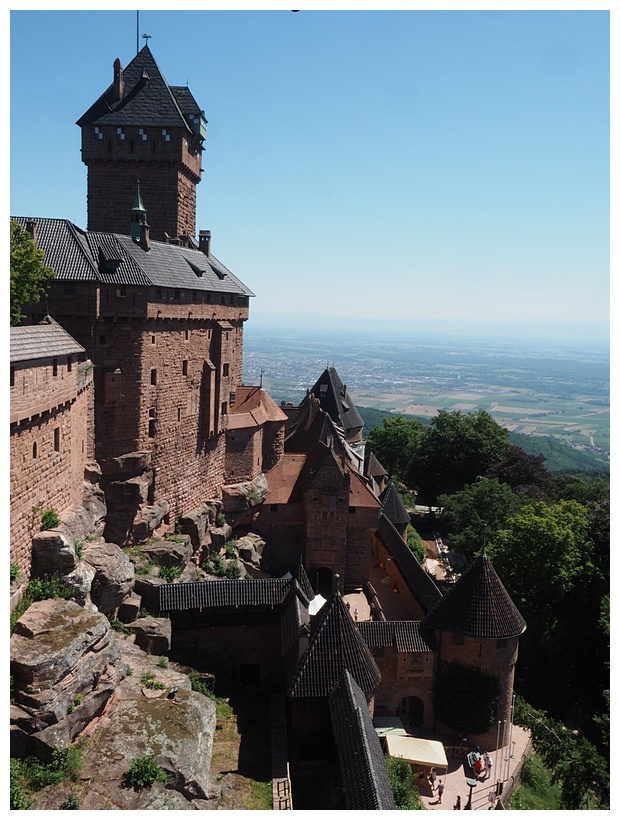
x: 441, y: 165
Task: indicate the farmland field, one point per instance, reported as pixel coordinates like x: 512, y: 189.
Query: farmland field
x: 550, y: 389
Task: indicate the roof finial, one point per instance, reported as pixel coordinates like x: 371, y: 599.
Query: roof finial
x: 337, y: 583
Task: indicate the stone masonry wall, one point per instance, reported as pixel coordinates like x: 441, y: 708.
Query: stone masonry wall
x: 48, y: 456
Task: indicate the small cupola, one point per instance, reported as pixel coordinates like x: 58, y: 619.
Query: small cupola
x: 138, y: 216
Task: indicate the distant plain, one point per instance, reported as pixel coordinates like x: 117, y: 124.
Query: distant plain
x: 551, y: 388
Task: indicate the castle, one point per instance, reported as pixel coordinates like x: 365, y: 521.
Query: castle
x: 127, y: 380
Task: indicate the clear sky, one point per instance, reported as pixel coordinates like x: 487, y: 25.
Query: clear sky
x: 400, y: 164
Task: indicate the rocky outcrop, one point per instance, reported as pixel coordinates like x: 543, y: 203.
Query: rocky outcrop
x: 250, y: 548
x: 149, y: 519
x: 196, y: 522
x: 114, y: 575
x: 237, y: 498
x: 126, y: 481
x: 154, y: 635
x: 64, y: 668
x: 174, y: 551
x: 52, y: 554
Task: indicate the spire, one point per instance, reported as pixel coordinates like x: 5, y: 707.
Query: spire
x: 138, y: 216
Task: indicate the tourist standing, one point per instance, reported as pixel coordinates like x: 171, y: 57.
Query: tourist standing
x: 457, y: 805
x: 440, y: 789
x: 432, y: 778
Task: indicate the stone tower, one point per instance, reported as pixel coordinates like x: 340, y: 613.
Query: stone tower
x: 477, y: 624
x: 141, y: 131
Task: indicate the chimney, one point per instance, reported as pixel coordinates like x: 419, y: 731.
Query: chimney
x: 31, y: 227
x: 204, y: 242
x: 145, y: 237
x: 118, y: 91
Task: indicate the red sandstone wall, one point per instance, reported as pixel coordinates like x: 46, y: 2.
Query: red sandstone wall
x: 381, y: 554
x: 52, y: 476
x: 404, y: 675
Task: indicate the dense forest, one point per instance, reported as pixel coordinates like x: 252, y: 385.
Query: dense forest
x: 547, y: 534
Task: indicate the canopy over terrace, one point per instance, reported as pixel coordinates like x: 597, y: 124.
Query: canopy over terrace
x: 416, y: 750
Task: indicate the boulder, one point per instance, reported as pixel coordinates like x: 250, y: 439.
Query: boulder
x: 114, y: 578
x: 250, y: 548
x: 154, y: 635
x: 197, y: 522
x: 63, y: 663
x: 52, y: 554
x: 219, y: 536
x: 147, y: 587
x: 240, y: 497
x: 148, y: 519
x: 129, y: 464
x: 81, y: 581
x: 129, y: 609
x: 174, y: 551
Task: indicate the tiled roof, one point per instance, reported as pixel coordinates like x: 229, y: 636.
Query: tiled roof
x: 373, y: 466
x: 406, y: 636
x: 148, y: 99
x: 282, y: 479
x: 252, y: 408
x: 335, y: 645
x: 335, y: 400
x: 42, y: 341
x: 419, y: 582
x: 478, y: 605
x: 365, y: 780
x: 116, y: 259
x: 224, y: 592
x: 392, y: 506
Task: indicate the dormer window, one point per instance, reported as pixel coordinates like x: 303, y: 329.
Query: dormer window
x: 98, y: 133
x: 165, y: 135
x: 120, y: 133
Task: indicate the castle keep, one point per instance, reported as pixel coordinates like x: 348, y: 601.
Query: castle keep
x: 127, y: 401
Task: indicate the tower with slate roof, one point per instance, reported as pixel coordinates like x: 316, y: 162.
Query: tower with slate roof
x: 142, y: 130
x: 476, y: 624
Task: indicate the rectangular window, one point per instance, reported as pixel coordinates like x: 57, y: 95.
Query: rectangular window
x: 225, y: 369
x: 185, y: 363
x: 152, y: 340
x: 121, y: 292
x: 224, y: 408
x: 153, y: 376
x: 178, y: 414
x: 12, y: 377
x: 54, y: 367
x: 69, y: 364
x: 57, y: 439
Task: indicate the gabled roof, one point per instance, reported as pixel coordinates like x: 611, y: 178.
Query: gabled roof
x: 335, y: 400
x: 335, y: 646
x: 42, y: 341
x: 419, y: 582
x: 478, y: 605
x: 253, y: 407
x: 372, y: 466
x: 392, y: 506
x: 365, y: 780
x: 115, y: 259
x: 295, y: 616
x: 406, y: 636
x: 147, y: 100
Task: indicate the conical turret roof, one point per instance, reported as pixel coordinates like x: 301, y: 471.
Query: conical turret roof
x: 477, y: 605
x: 335, y: 646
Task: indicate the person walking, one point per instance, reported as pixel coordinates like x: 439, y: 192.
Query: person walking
x: 432, y: 778
x: 457, y: 805
x: 488, y: 764
x: 440, y: 789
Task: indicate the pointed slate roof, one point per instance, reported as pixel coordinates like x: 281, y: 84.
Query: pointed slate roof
x: 365, y: 780
x: 147, y: 100
x: 335, y: 400
x: 335, y: 646
x: 478, y: 605
x: 392, y: 506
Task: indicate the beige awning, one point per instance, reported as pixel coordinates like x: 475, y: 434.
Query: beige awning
x: 417, y: 750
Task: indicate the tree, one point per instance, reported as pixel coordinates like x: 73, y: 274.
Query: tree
x: 525, y: 474
x: 30, y: 278
x: 454, y: 450
x: 472, y: 516
x: 395, y: 444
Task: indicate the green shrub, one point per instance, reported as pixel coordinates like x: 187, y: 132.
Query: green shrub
x: 406, y: 795
x: 71, y: 802
x: 49, y: 519
x: 117, y: 625
x: 128, y: 671
x: 233, y: 570
x: 148, y: 680
x: 15, y: 571
x: 220, y: 520
x: 215, y: 565
x: 170, y: 574
x: 230, y: 548
x: 199, y: 685
x: 415, y: 544
x: 143, y: 772
x: 176, y: 539
x: 163, y: 663
x: 18, y: 799
x: 78, y: 546
x: 65, y: 764
x: 466, y: 699
x: 39, y: 589
x: 77, y: 700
